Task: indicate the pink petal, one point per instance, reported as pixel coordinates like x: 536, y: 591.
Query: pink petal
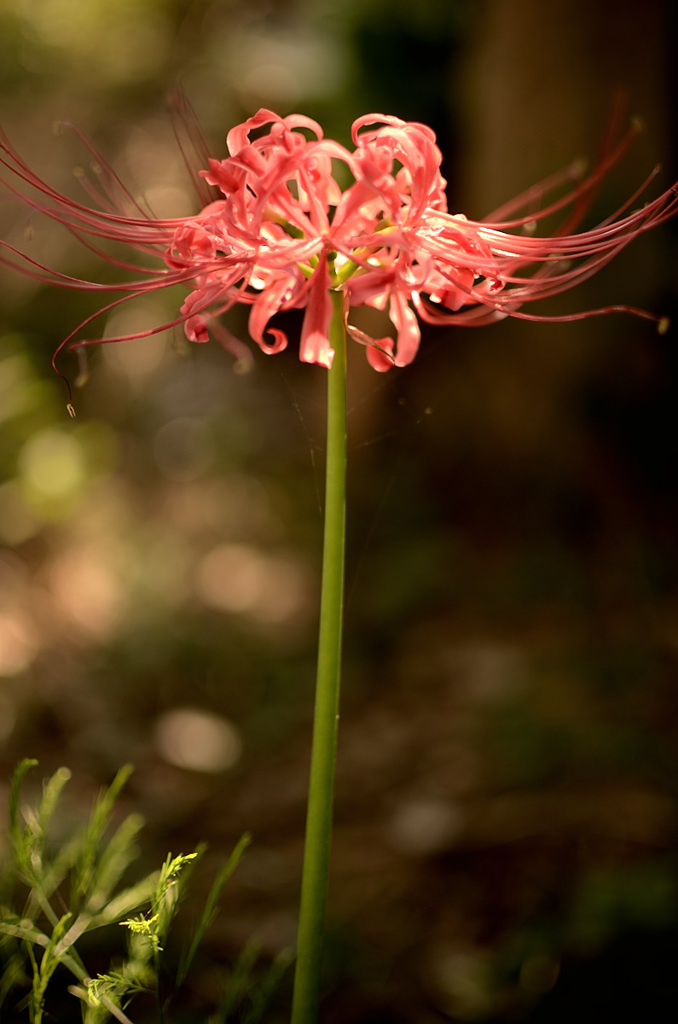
x: 196, y: 329
x: 380, y: 354
x: 405, y: 322
x: 315, y: 341
x: 264, y: 306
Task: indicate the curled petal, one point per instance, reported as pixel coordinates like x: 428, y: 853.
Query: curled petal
x: 379, y: 350
x: 238, y: 137
x: 279, y: 342
x: 266, y: 303
x: 196, y: 329
x: 380, y: 354
x: 405, y: 322
x: 373, y: 119
x: 418, y: 184
x: 315, y: 332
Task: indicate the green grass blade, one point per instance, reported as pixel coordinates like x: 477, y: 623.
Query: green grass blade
x: 97, y: 825
x: 16, y: 829
x: 210, y: 909
x: 119, y: 852
x: 126, y: 902
x: 51, y: 792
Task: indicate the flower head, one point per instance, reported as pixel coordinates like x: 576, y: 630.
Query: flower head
x: 283, y: 232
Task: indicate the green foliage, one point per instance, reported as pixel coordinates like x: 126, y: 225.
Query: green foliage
x: 54, y: 895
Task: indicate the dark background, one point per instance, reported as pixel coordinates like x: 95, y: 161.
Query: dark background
x: 505, y: 845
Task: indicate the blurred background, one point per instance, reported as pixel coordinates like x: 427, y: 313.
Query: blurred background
x: 505, y: 845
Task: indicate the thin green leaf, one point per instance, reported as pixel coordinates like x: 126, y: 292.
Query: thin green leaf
x: 16, y: 830
x: 97, y: 825
x: 51, y: 793
x: 14, y: 794
x: 43, y: 971
x: 127, y: 901
x: 64, y: 859
x: 211, y: 909
x: 114, y: 860
x: 21, y: 928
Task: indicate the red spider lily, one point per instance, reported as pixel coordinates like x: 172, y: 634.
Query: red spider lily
x: 284, y: 233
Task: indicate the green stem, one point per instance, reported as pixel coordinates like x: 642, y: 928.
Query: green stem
x: 158, y: 987
x: 323, y: 753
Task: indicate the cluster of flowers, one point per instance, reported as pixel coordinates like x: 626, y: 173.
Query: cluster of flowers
x: 283, y: 234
